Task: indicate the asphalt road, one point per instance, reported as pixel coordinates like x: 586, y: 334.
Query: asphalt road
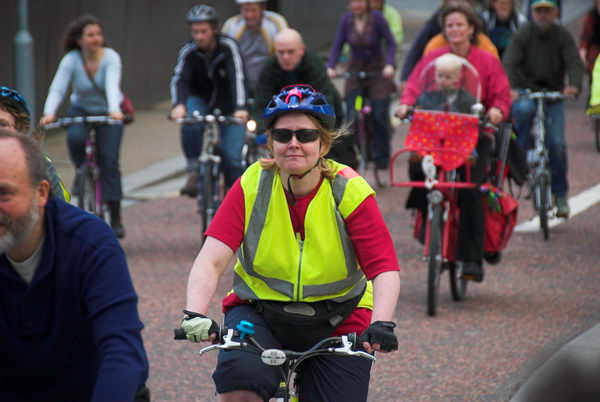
x: 540, y: 296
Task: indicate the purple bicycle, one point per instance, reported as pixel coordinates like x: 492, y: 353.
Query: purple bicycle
x: 88, y: 174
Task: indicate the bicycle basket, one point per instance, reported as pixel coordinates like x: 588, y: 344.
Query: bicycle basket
x: 431, y: 130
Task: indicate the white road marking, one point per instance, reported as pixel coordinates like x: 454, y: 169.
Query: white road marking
x: 578, y: 204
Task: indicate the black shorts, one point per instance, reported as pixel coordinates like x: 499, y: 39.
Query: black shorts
x: 322, y: 378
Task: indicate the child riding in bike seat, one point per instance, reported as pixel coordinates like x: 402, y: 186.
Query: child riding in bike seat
x: 447, y: 95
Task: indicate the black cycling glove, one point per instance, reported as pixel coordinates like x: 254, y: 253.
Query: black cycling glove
x: 381, y: 332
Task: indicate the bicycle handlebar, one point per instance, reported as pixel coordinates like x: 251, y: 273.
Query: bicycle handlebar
x: 179, y: 334
x: 483, y: 120
x: 362, y: 75
x: 546, y: 95
x: 340, y: 345
x: 208, y: 118
x: 67, y: 121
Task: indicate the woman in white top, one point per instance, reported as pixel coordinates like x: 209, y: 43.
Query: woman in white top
x: 93, y: 73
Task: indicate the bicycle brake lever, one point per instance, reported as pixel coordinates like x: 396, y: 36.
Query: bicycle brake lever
x: 347, y: 346
x: 228, y: 343
x: 209, y: 348
x: 347, y: 350
x: 364, y: 354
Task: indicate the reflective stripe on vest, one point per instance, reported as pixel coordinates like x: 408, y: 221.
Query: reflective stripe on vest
x: 259, y: 197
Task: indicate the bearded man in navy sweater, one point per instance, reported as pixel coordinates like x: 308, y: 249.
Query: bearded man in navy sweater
x: 69, y: 326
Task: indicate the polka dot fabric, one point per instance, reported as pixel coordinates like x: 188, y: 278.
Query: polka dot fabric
x: 451, y: 131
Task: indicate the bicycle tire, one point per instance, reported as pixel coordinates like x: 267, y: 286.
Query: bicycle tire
x: 363, y: 146
x: 87, y: 192
x: 597, y: 133
x: 541, y: 193
x: 207, y: 207
x: 458, y: 285
x: 381, y: 183
x: 434, y: 270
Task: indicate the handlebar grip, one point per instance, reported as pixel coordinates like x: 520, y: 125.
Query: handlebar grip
x: 179, y: 334
x: 50, y: 126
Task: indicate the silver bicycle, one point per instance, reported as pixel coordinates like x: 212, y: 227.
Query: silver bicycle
x: 539, y: 160
x: 209, y: 163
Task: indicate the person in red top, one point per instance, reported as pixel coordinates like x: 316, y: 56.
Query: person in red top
x: 460, y: 25
x: 318, y: 218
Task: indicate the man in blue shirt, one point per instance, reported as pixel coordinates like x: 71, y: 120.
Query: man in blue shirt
x: 69, y: 327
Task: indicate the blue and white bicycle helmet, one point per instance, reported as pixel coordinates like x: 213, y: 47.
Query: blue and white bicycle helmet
x: 202, y: 13
x: 14, y: 97
x: 300, y: 98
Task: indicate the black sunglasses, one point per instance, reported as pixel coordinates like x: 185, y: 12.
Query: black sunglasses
x: 304, y: 135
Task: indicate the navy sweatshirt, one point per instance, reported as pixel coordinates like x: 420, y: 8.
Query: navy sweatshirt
x: 73, y: 334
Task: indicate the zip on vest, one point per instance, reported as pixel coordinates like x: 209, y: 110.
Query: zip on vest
x: 300, y: 245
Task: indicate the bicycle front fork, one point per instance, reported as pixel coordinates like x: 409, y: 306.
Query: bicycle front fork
x: 212, y: 169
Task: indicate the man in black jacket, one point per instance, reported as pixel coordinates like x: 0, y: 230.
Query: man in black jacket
x: 539, y: 57
x: 293, y: 64
x: 209, y: 75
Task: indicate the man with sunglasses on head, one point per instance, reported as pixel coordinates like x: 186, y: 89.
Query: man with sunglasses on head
x: 209, y: 75
x: 315, y: 260
x: 539, y: 57
x: 14, y: 115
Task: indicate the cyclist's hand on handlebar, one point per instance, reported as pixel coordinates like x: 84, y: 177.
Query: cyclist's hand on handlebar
x: 178, y: 112
x: 199, y: 328
x: 47, y: 119
x: 117, y: 115
x: 380, y: 337
x: 495, y: 115
x: 401, y: 111
x: 388, y: 71
x: 570, y: 92
x: 242, y: 115
x: 514, y: 95
x: 331, y: 72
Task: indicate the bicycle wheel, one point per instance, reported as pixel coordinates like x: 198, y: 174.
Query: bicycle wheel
x: 597, y: 133
x: 208, y: 191
x: 380, y: 177
x: 87, y: 191
x: 542, y: 203
x: 458, y: 285
x: 435, y: 260
x: 362, y: 143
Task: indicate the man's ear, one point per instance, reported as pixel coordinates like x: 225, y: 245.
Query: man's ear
x: 43, y: 191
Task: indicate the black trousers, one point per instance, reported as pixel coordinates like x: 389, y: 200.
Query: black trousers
x: 472, y: 224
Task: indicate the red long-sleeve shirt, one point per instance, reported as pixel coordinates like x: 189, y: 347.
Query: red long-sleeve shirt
x: 365, y: 225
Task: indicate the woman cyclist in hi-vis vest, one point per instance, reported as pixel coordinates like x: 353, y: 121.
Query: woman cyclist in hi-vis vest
x: 315, y: 259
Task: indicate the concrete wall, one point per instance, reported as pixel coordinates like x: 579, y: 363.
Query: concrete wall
x: 146, y: 33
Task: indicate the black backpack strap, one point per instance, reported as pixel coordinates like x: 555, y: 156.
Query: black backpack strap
x: 89, y: 75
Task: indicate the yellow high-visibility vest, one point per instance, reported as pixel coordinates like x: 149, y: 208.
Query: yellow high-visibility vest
x: 275, y: 264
